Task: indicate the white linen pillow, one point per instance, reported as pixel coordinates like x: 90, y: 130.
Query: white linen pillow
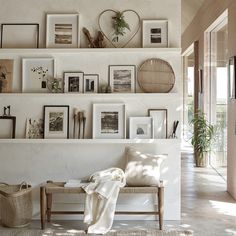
x: 142, y: 169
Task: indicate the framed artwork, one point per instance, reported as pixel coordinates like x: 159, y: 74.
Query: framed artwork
x: 56, y: 122
x: 7, y: 126
x: 91, y: 83
x: 155, y: 33
x: 62, y: 31
x: 73, y: 82
x: 141, y: 128
x: 6, y: 75
x: 160, y: 122
x: 34, y: 129
x: 17, y: 35
x: 122, y: 78
x: 35, y: 74
x: 109, y: 121
x: 231, y: 75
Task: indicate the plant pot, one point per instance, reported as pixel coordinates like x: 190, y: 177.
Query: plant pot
x: 201, y: 160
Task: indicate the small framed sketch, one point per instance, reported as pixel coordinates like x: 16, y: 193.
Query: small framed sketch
x: 73, y: 82
x: 91, y: 83
x: 141, y: 128
x: 62, y: 31
x: 6, y: 75
x: 56, y: 122
x: 155, y: 33
x: 122, y: 78
x: 231, y: 75
x: 160, y: 122
x: 34, y: 128
x: 35, y: 74
x: 17, y: 35
x: 109, y: 121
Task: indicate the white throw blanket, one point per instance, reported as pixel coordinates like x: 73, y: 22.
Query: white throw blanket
x: 101, y: 198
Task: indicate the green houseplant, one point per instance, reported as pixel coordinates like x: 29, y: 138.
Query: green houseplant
x: 202, y: 139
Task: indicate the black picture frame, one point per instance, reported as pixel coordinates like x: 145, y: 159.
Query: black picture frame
x: 20, y: 24
x: 231, y: 77
x: 46, y: 127
x: 13, y: 118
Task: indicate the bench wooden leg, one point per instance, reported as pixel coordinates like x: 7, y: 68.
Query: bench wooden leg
x: 49, y: 206
x: 161, y: 206
x: 42, y: 206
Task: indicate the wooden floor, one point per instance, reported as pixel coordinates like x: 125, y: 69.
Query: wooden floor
x: 207, y: 209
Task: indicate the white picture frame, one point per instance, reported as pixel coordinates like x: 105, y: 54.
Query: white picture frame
x: 109, y: 121
x: 62, y: 30
x: 91, y: 83
x: 73, y: 82
x: 155, y: 33
x: 160, y: 121
x: 56, y: 122
x: 35, y: 74
x: 122, y: 78
x: 141, y: 128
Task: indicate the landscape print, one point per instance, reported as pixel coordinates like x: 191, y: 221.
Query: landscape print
x: 122, y: 81
x: 56, y: 121
x: 109, y: 122
x: 155, y: 35
x: 63, y: 33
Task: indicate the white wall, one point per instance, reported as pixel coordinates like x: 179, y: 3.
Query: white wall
x: 37, y: 162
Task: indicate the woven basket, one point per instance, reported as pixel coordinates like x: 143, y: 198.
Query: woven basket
x: 16, y: 204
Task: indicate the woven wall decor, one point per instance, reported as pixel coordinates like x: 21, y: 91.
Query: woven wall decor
x: 156, y: 76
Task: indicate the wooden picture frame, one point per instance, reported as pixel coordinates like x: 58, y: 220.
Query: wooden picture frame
x: 160, y: 122
x: 56, y: 121
x: 155, y: 33
x: 17, y: 35
x: 231, y: 77
x: 109, y: 121
x: 122, y: 78
x: 62, y: 30
x: 73, y: 82
x: 91, y: 83
x: 13, y: 119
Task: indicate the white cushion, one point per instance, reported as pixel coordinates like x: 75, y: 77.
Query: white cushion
x: 142, y: 169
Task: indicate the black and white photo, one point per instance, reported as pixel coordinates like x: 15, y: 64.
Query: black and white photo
x: 56, y: 121
x: 122, y: 78
x: 91, y: 83
x: 73, y: 82
x: 109, y: 121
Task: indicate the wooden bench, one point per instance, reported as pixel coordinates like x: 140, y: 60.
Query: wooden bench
x: 51, y: 188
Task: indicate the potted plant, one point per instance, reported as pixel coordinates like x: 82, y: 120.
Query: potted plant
x: 203, y: 136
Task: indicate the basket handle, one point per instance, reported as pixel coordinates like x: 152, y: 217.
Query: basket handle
x: 22, y: 184
x: 2, y: 183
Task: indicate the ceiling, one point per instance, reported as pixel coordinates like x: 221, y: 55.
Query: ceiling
x: 189, y: 10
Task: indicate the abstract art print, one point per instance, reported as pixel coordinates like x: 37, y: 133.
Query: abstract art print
x: 35, y: 74
x: 91, y: 83
x: 56, y: 122
x: 109, y: 121
x: 155, y: 33
x: 141, y: 128
x: 73, y: 82
x: 62, y: 31
x: 6, y: 75
x: 122, y: 78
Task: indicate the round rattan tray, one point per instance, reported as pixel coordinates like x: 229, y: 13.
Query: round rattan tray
x: 156, y: 76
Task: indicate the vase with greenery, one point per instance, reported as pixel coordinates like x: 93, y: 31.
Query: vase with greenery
x: 202, y: 139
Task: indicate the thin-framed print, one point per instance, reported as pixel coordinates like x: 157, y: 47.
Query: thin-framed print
x: 155, y: 33
x: 73, y: 82
x: 62, y: 31
x: 6, y: 75
x: 122, y: 78
x: 7, y: 127
x: 159, y: 122
x: 35, y: 74
x: 19, y: 35
x: 141, y: 128
x: 56, y: 122
x: 109, y: 121
x: 91, y: 83
x: 231, y: 75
